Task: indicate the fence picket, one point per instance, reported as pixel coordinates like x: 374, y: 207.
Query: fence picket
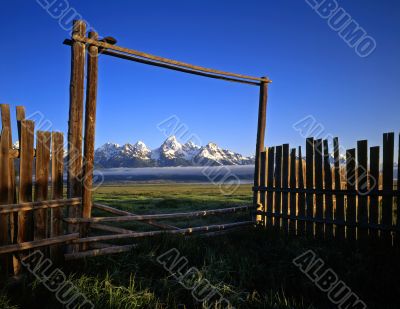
x: 387, y: 177
x: 270, y: 185
x: 351, y: 199
x: 263, y: 183
x: 362, y: 187
x: 293, y: 185
x: 328, y: 196
x: 319, y: 200
x: 285, y: 179
x: 301, y: 196
x: 5, y: 198
x: 57, y: 166
x: 25, y: 226
x: 310, y: 184
x: 339, y: 211
x: 373, y: 180
x: 278, y: 185
x: 43, y: 141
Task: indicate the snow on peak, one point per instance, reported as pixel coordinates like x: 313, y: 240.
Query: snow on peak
x: 170, y: 152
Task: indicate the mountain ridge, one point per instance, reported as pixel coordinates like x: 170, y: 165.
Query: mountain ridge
x: 170, y: 153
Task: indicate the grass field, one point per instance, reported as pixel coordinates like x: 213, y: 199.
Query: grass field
x: 250, y: 268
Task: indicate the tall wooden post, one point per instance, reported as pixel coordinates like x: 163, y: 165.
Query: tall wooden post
x: 76, y: 114
x: 262, y: 115
x: 74, y: 182
x: 90, y: 123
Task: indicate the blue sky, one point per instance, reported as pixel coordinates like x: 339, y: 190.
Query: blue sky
x: 314, y: 71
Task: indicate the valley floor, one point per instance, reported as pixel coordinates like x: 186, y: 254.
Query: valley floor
x: 250, y: 268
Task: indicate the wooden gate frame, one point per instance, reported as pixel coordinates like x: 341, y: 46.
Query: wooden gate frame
x: 80, y: 172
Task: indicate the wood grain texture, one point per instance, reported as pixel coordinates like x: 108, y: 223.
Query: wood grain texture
x: 74, y: 176
x: 5, y: 198
x: 319, y: 199
x: 362, y: 187
x: 43, y: 144
x: 82, y: 39
x: 262, y: 119
x: 310, y: 183
x: 387, y: 177
x: 263, y: 182
x: 25, y: 219
x: 278, y: 184
x: 90, y: 127
x: 351, y: 199
x: 373, y: 179
x: 159, y: 216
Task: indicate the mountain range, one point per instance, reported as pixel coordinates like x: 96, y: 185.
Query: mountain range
x: 170, y: 153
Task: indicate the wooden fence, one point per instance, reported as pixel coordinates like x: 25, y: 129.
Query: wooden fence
x: 330, y: 196
x: 34, y: 213
x: 30, y: 214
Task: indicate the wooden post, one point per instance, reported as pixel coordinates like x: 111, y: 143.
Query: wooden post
x: 74, y: 187
x: 293, y: 186
x: 285, y: 187
x: 262, y: 116
x: 278, y: 186
x: 263, y: 183
x: 310, y: 185
x: 387, y: 177
x: 74, y: 178
x: 362, y: 188
x: 5, y: 198
x: 339, y: 211
x: 301, y: 196
x: 90, y: 126
x: 43, y: 140
x: 319, y: 199
x: 270, y: 185
x: 57, y: 167
x: 328, y: 196
x: 25, y: 227
x: 373, y: 179
x: 351, y: 198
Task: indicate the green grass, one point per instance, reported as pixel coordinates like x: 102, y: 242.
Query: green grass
x: 251, y: 268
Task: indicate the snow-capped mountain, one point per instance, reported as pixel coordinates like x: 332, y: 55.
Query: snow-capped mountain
x: 170, y: 153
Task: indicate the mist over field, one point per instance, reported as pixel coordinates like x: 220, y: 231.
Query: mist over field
x: 207, y: 174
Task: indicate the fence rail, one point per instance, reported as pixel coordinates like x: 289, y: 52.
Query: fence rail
x: 327, y: 195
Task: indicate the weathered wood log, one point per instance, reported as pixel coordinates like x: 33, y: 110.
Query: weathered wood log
x: 25, y: 219
x: 99, y: 252
x: 262, y: 119
x: 43, y: 142
x: 5, y: 197
x: 56, y: 213
x: 74, y: 177
x: 154, y: 233
x: 83, y: 39
x: 90, y: 126
x: 38, y: 243
x: 126, y: 213
x: 111, y: 229
x: 159, y: 216
x: 28, y: 206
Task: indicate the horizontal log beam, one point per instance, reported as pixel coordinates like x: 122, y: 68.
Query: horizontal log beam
x: 162, y: 59
x: 126, y: 213
x: 159, y: 216
x: 111, y: 229
x: 98, y: 252
x: 154, y: 233
x: 334, y: 222
x: 39, y: 205
x: 331, y: 191
x: 38, y: 243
